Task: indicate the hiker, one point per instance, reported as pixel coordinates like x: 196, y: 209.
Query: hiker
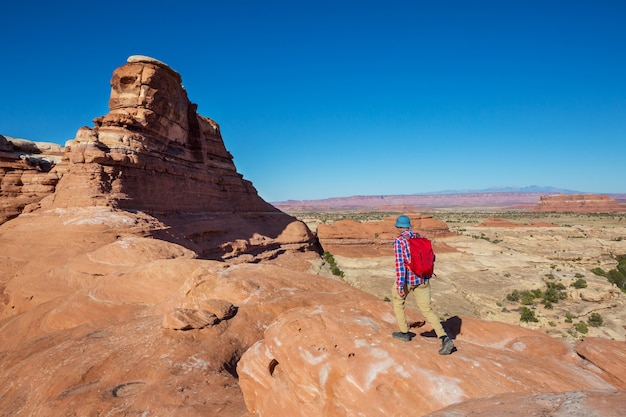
x: 407, y: 282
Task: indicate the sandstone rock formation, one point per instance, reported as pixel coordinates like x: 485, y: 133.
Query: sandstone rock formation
x: 363, y: 239
x: 578, y: 203
x: 26, y: 174
x: 154, y: 153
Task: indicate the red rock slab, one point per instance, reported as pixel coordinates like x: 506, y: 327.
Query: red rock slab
x: 597, y: 403
x: 607, y: 355
x: 341, y: 360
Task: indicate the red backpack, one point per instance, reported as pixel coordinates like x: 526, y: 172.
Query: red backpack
x: 422, y: 256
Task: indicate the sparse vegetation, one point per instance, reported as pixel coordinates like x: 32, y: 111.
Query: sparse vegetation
x: 599, y: 271
x: 527, y: 315
x: 616, y: 276
x: 527, y: 298
x: 579, y: 283
x: 595, y: 320
x: 552, y: 295
x: 568, y: 317
x: 513, y: 296
x: 581, y: 327
x: 330, y: 259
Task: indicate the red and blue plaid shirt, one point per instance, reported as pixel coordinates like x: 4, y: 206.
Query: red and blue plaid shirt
x: 403, y: 257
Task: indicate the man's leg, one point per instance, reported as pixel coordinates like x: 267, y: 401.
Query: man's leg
x: 398, y: 309
x: 422, y: 296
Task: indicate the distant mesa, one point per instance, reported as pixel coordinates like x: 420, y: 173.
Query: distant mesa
x: 578, y: 203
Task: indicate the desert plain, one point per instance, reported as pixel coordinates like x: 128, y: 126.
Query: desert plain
x: 488, y: 255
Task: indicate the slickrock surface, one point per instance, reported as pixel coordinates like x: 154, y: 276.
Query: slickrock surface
x: 354, y: 367
x: 578, y: 203
x: 112, y: 323
x: 604, y: 403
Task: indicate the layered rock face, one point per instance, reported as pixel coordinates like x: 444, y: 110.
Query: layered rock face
x: 367, y: 239
x: 151, y: 147
x: 26, y: 173
x: 578, y: 203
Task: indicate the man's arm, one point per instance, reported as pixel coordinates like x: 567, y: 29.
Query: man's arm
x: 400, y: 266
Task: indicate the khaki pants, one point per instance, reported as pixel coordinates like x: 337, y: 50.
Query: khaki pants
x: 422, y: 296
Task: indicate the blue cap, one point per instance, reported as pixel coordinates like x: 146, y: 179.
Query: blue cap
x: 404, y: 222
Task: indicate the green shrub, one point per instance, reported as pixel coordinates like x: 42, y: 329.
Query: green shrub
x: 595, y: 320
x: 551, y: 295
x: 513, y: 296
x: 581, y: 327
x: 527, y: 298
x: 616, y: 277
x: 527, y: 315
x: 537, y: 293
x: 599, y: 271
x: 568, y: 317
x: 328, y: 257
x: 579, y: 283
x: 555, y: 285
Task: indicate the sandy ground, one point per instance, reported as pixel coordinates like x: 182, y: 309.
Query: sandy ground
x: 482, y: 264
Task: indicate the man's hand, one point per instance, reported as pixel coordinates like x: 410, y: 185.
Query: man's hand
x: 401, y: 293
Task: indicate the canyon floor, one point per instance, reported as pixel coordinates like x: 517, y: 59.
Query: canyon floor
x: 493, y: 254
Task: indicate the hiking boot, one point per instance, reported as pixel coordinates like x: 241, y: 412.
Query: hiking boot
x: 402, y: 336
x: 446, y: 346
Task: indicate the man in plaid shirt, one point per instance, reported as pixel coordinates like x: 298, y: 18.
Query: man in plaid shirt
x: 406, y: 282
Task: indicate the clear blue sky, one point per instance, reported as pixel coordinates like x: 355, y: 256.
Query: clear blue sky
x: 320, y: 99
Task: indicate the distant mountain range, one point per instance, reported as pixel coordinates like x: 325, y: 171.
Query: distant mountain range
x: 535, y: 189
x: 511, y: 197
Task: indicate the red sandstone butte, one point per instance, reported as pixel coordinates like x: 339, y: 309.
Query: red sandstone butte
x: 578, y: 203
x: 365, y: 239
